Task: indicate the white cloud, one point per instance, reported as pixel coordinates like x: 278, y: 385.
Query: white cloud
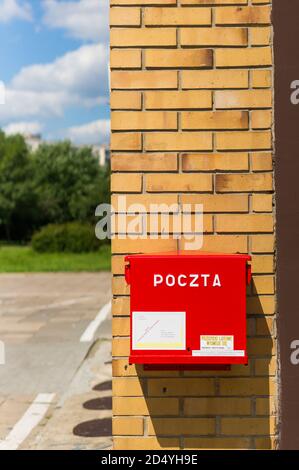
x: 14, y: 9
x: 22, y: 104
x: 84, y: 70
x: 79, y: 78
x: 82, y: 19
x: 23, y: 128
x: 92, y: 133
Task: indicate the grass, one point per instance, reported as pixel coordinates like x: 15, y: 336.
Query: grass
x: 19, y: 259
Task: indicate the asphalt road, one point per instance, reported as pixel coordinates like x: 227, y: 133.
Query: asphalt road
x: 42, y: 319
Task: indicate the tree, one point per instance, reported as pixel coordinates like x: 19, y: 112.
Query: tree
x: 17, y: 198
x: 58, y: 183
x: 69, y: 182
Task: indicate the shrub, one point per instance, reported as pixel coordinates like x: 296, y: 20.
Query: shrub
x: 73, y: 237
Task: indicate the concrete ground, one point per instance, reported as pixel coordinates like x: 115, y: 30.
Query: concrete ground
x: 68, y: 382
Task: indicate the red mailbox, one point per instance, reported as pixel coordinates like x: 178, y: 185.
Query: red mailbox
x: 188, y: 308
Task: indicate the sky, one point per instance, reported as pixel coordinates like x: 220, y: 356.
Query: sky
x: 54, y: 65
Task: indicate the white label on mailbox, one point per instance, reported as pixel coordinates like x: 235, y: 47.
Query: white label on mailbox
x: 159, y: 330
x: 218, y: 353
x: 210, y: 342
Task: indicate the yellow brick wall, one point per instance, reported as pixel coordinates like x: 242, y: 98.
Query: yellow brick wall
x: 191, y: 107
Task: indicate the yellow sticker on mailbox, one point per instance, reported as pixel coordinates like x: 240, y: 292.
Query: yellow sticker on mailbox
x: 225, y: 342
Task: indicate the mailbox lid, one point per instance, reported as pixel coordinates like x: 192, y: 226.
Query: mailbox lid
x: 189, y: 254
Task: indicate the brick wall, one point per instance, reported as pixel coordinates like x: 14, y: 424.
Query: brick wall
x: 191, y: 107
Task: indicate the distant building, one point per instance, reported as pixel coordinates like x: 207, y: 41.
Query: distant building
x: 101, y: 152
x: 33, y: 141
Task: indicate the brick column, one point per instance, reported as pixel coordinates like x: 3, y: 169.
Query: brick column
x: 191, y: 123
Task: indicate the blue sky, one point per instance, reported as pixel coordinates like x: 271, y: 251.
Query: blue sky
x: 54, y: 65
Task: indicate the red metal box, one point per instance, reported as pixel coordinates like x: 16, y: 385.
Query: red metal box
x: 188, y: 308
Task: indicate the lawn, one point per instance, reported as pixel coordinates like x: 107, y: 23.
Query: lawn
x: 18, y: 259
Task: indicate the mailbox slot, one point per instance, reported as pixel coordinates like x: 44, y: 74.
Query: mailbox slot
x: 188, y: 310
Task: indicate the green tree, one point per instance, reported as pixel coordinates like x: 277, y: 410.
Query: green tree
x: 17, y: 198
x: 69, y: 183
x: 58, y: 183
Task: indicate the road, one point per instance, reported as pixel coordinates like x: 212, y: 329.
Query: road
x: 53, y: 386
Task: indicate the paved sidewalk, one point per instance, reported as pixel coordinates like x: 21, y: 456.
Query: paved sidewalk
x: 42, y: 318
x: 83, y: 418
